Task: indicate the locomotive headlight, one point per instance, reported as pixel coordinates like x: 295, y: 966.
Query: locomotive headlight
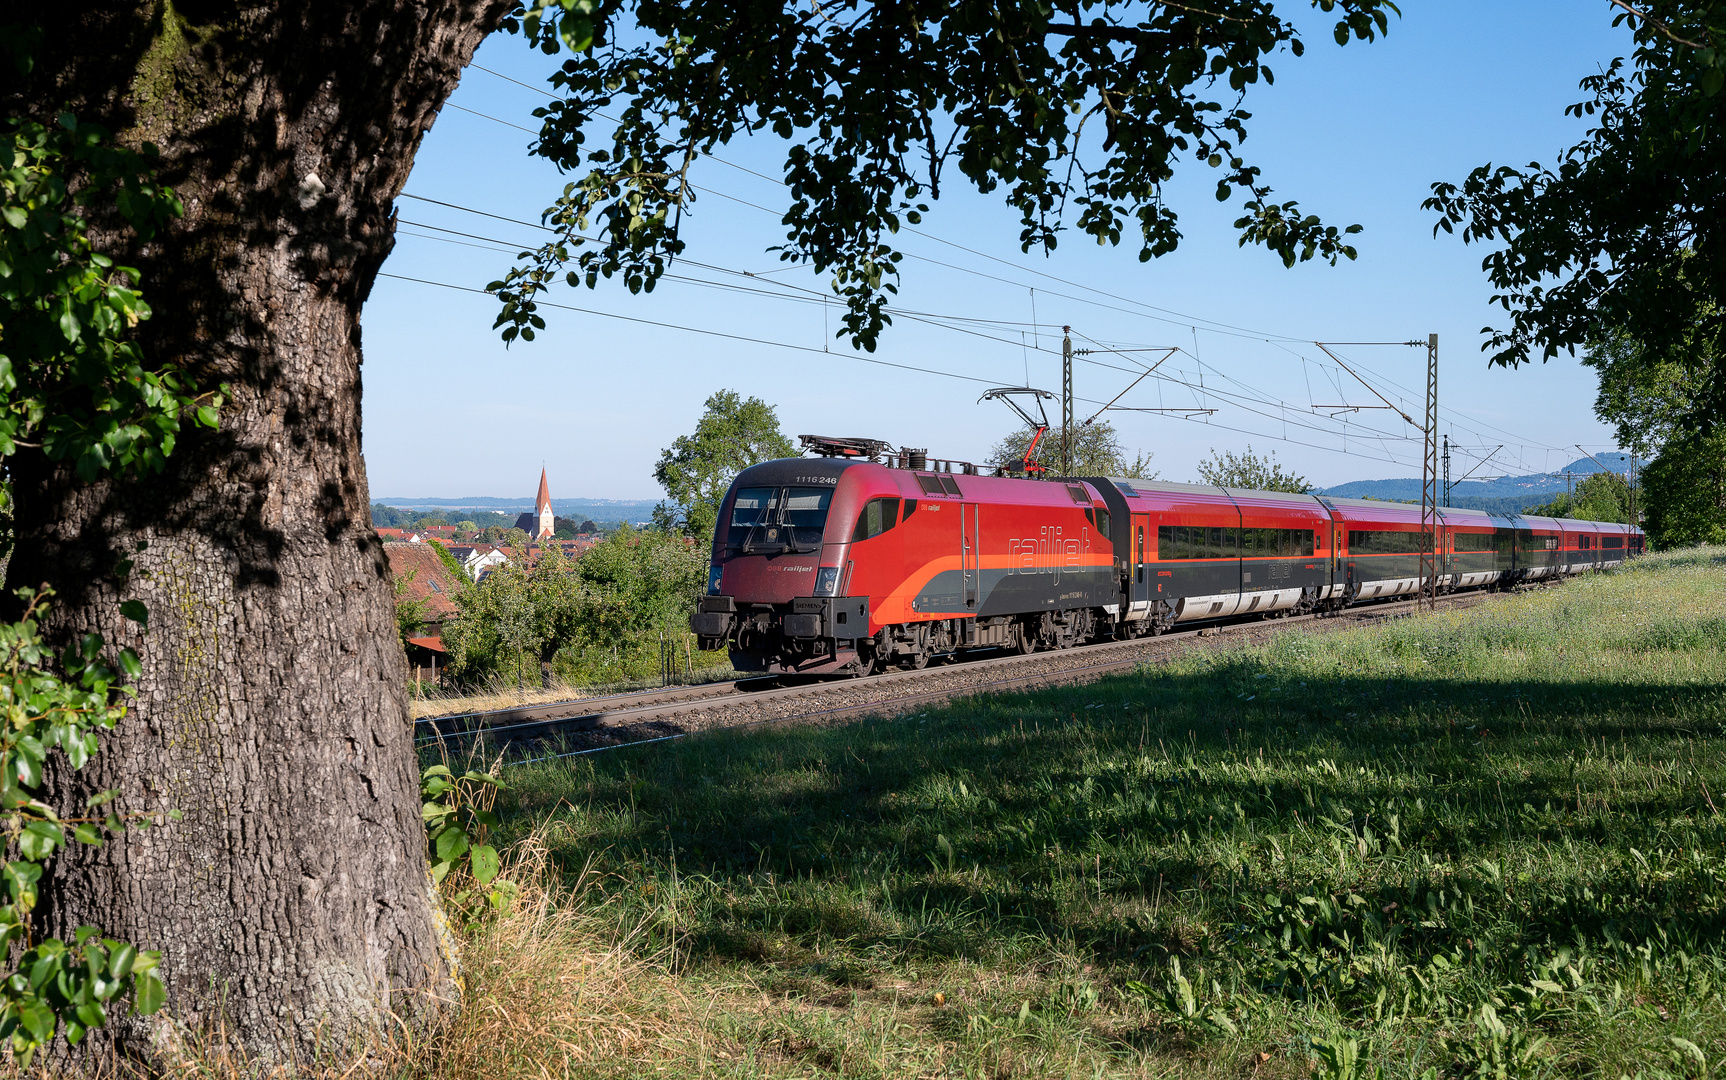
x: 713, y: 575
x: 827, y: 581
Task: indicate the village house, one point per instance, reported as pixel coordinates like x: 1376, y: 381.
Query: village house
x: 424, y: 578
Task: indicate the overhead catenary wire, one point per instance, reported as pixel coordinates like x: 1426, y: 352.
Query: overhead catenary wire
x: 1087, y: 359
x: 810, y: 349
x: 1210, y: 325
x: 1167, y: 315
x: 1282, y: 418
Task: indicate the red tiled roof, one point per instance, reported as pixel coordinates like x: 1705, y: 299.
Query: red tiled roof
x: 435, y: 644
x: 432, y: 581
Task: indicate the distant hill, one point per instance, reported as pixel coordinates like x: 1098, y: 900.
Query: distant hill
x: 1508, y: 494
x: 602, y: 511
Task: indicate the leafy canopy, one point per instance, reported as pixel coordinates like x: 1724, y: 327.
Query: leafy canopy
x: 1251, y: 472
x: 1078, y: 115
x: 1626, y: 234
x: 697, y: 469
x: 1644, y: 396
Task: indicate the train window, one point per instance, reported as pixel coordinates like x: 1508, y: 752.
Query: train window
x: 877, y: 517
x: 951, y: 485
x: 1078, y: 495
x: 1465, y: 541
x: 1276, y: 543
x: 1385, y: 542
x: 1612, y: 541
x: 1139, y: 575
x: 931, y: 485
x: 1584, y: 543
x: 752, y: 506
x: 1103, y: 524
x: 1197, y: 542
x: 910, y: 508
x: 1171, y: 542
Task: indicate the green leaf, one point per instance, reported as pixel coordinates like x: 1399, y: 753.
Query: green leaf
x: 136, y: 611
x: 120, y: 960
x: 451, y: 843
x: 485, y: 863
x: 38, y: 840
x: 15, y: 216
x: 39, y: 1021
x: 148, y: 995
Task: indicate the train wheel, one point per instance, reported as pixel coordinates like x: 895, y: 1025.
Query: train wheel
x: 915, y: 662
x: 1023, y: 643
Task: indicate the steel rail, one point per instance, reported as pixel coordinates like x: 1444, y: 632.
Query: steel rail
x: 633, y: 717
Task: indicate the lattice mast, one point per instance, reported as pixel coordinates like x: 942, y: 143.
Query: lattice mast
x: 1429, y: 480
x: 1066, y: 401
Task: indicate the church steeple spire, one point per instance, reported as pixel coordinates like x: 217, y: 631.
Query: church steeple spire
x: 542, y: 509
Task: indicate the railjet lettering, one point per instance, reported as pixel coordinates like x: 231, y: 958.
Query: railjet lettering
x: 1048, y: 552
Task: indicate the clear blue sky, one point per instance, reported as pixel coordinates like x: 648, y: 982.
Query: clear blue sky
x: 1357, y: 134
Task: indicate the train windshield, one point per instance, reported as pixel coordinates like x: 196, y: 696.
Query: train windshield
x: 754, y: 506
x: 806, y: 512
x: 779, y: 519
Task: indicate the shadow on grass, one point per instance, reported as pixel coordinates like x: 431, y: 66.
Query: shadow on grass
x: 1203, y: 814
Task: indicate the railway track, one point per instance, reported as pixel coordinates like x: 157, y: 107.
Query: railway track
x: 525, y: 722
x: 565, y: 729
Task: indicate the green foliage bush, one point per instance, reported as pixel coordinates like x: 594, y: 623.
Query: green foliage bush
x: 1686, y: 488
x: 56, y: 987
x: 599, y: 618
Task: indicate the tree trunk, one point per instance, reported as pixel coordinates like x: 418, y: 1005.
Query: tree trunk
x: 291, y: 901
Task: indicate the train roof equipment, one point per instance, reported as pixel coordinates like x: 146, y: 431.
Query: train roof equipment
x: 844, y: 446
x: 1006, y: 394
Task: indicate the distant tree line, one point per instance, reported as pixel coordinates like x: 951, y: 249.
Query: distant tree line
x: 482, y: 522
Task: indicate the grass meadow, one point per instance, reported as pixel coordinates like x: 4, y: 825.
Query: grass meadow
x: 1486, y: 843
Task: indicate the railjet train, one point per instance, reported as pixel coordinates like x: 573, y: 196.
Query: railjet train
x: 844, y: 565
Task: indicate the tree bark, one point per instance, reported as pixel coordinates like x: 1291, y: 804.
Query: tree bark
x: 291, y: 900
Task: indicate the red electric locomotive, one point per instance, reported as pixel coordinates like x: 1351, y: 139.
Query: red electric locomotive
x: 843, y: 564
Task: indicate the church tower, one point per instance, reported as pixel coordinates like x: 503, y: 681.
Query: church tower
x: 542, y: 510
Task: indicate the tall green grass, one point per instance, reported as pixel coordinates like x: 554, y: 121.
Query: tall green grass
x: 1482, y: 843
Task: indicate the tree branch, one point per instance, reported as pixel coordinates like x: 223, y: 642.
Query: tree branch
x: 1129, y: 34
x: 1665, y: 30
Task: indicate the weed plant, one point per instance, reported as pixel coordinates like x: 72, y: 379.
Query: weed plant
x: 1486, y: 843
